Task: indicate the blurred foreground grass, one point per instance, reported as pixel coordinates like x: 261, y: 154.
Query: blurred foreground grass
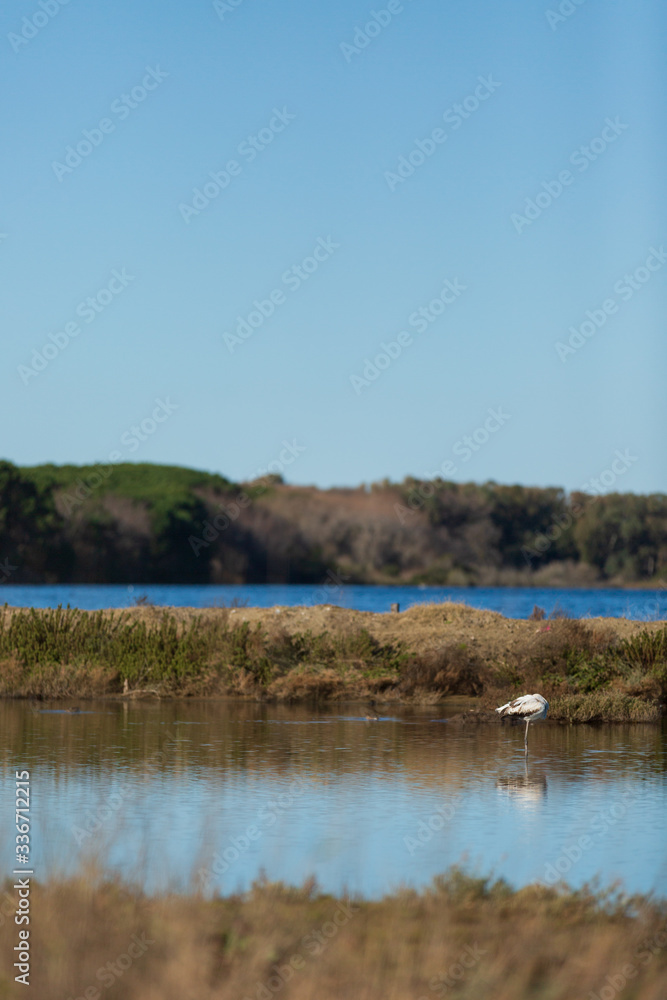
x: 94, y: 937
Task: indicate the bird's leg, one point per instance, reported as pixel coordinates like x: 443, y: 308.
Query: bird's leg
x: 525, y: 742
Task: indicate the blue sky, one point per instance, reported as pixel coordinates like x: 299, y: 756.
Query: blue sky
x: 335, y: 108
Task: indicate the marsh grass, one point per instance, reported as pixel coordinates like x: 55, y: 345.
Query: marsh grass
x: 603, y: 706
x: 589, y: 676
x: 54, y: 652
x: 471, y: 937
x: 586, y: 673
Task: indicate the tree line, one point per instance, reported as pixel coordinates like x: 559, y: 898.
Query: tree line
x: 164, y: 524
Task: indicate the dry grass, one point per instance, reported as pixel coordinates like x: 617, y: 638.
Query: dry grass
x: 462, y: 935
x: 452, y: 669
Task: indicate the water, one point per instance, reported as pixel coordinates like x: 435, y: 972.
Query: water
x: 168, y: 793
x: 513, y: 602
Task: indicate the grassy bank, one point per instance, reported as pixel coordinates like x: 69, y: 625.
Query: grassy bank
x: 598, y: 670
x: 462, y: 936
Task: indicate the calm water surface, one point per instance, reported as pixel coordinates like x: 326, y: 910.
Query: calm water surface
x: 168, y: 793
x: 514, y: 602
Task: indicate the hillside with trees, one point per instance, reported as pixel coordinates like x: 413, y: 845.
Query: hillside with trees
x: 164, y: 524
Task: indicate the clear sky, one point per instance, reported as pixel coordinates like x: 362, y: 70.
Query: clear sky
x: 365, y: 156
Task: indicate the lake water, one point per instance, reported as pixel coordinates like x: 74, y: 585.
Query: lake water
x: 212, y: 793
x: 514, y: 602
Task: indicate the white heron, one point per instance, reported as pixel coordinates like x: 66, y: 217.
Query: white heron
x: 529, y: 707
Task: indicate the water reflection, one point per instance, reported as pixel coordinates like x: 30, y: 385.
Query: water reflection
x: 527, y: 788
x: 163, y: 789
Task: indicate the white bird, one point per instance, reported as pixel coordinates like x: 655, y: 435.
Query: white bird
x: 530, y: 707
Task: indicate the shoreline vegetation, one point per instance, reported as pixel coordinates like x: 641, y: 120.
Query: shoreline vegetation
x: 591, y: 670
x: 470, y: 937
x: 116, y: 522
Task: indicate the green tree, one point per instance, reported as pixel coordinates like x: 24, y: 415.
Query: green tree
x: 30, y: 529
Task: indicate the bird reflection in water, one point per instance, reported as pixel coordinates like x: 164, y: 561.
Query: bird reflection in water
x: 527, y: 789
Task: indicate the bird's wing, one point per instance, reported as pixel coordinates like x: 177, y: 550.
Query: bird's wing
x: 524, y: 705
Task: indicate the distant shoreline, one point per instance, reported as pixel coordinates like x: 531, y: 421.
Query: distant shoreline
x: 511, y: 602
